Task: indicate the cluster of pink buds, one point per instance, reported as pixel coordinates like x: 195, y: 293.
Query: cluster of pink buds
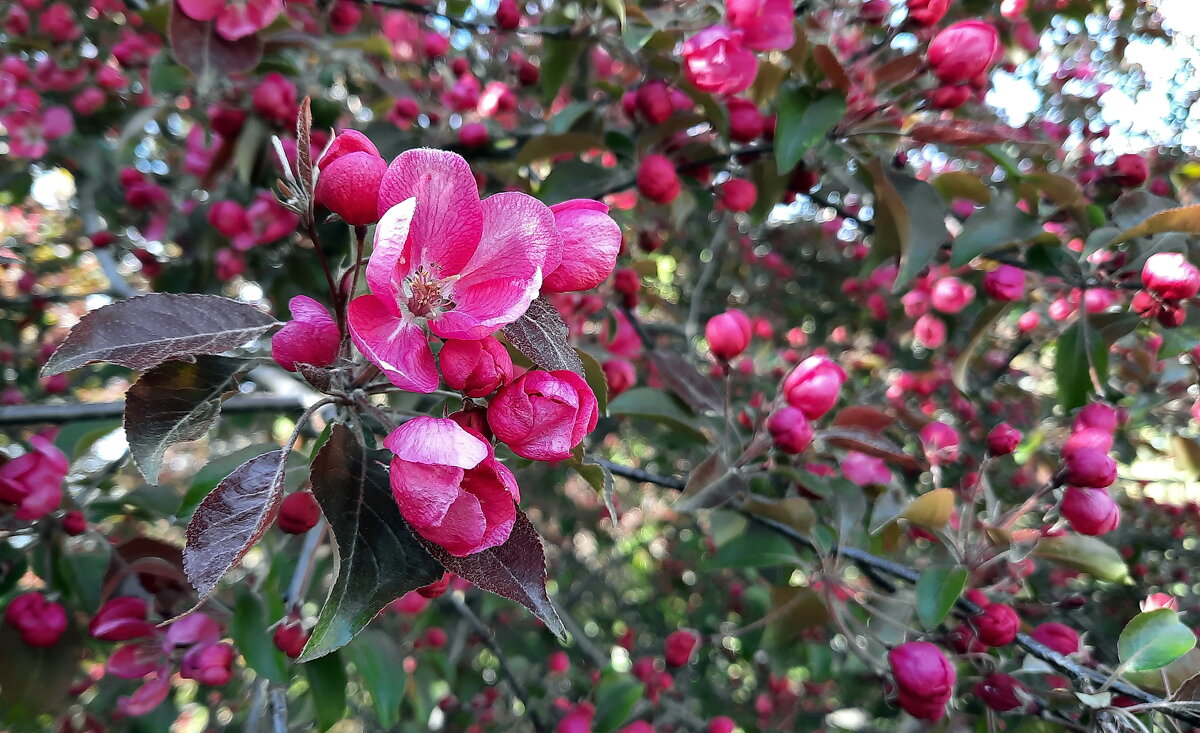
x: 1088, y: 470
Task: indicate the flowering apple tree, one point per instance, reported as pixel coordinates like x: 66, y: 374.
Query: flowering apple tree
x: 598, y: 366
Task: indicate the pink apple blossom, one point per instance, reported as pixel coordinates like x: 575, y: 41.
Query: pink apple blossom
x: 714, y: 61
x: 450, y: 487
x: 446, y: 259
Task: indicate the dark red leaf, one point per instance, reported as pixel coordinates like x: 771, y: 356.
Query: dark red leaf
x: 174, y: 402
x: 829, y: 64
x: 197, y: 47
x: 231, y: 519
x: 871, y: 444
x: 861, y: 416
x: 541, y: 335
x: 515, y: 570
x: 143, y: 332
x: 678, y: 375
x: 959, y: 132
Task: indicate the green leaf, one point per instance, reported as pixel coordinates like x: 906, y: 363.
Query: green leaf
x: 1072, y: 366
x: 1154, y: 639
x: 248, y: 627
x: 574, y: 179
x: 75, y: 438
x: 937, y: 590
x: 548, y: 146
x: 981, y: 328
x: 327, y: 683
x: 654, y: 404
x: 615, y: 700
x: 599, y: 478
x: 803, y: 121
x: 558, y: 58
x: 36, y: 679
x: 374, y: 655
x: 765, y: 176
x: 911, y: 220
x: 1083, y: 553
x: 997, y: 224
x: 754, y: 550
x: 594, y: 374
x: 962, y: 184
x: 378, y: 558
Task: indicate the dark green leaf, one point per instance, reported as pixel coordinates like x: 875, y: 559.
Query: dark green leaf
x: 574, y: 179
x: 937, y: 590
x: 248, y: 628
x: 615, y: 699
x: 997, y: 224
x: 1072, y: 364
x: 36, y: 679
x: 754, y: 550
x: 594, y: 374
x: 374, y: 655
x: 803, y: 121
x: 378, y: 557
x: 911, y: 220
x: 558, y: 59
x: 327, y: 683
x: 653, y: 404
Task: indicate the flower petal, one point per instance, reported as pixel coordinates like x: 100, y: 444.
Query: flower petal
x: 591, y: 241
x: 391, y: 252
x: 505, y: 274
x: 424, y: 493
x: 398, y: 347
x: 309, y: 310
x: 201, y: 9
x: 449, y: 220
x: 436, y: 441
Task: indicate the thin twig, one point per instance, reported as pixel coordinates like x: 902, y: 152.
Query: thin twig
x: 506, y: 672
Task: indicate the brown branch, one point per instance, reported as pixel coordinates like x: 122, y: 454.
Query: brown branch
x: 875, y: 567
x: 65, y: 412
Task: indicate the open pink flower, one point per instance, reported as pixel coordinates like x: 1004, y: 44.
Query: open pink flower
x: 767, y: 24
x: 714, y: 61
x: 446, y: 259
x: 450, y: 487
x: 234, y: 18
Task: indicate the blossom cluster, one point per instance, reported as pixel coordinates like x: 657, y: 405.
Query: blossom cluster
x: 459, y: 268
